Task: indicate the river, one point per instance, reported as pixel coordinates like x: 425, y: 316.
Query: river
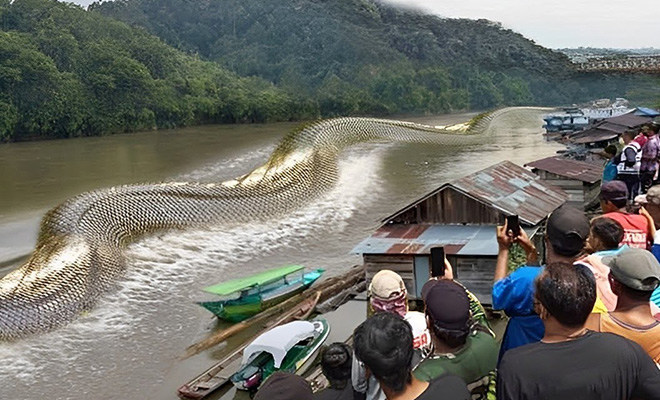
x: 129, y: 345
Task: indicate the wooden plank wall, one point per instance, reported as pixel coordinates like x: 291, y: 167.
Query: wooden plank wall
x: 476, y: 274
x: 581, y: 195
x: 402, y: 264
x: 591, y: 195
x: 450, y: 207
x: 456, y: 208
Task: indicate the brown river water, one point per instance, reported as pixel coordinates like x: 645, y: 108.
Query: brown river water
x: 128, y: 346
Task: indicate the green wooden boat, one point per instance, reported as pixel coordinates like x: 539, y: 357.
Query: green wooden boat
x: 291, y: 347
x: 245, y: 297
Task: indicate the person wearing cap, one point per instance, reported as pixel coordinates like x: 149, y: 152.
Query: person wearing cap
x: 571, y: 361
x: 284, y: 386
x: 387, y: 293
x: 383, y: 343
x: 336, y: 361
x: 629, y: 161
x: 634, y: 275
x: 613, y: 202
x: 566, y: 232
x: 650, y: 153
x: 461, y: 345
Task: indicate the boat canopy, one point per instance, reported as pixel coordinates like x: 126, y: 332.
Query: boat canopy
x: 263, y: 278
x: 279, y: 340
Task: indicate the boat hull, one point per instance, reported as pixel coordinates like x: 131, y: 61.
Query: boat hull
x: 245, y: 307
x: 298, y: 360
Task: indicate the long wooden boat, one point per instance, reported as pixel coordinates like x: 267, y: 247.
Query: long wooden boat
x: 245, y: 297
x: 291, y: 347
x: 219, y: 374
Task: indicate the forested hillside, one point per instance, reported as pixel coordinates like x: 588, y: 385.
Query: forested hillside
x: 360, y: 56
x: 67, y: 72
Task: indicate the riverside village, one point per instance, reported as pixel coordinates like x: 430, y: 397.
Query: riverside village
x: 329, y: 200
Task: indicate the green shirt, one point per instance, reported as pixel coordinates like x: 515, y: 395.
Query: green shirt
x: 472, y: 362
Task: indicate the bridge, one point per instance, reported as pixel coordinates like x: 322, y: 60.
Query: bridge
x: 649, y: 64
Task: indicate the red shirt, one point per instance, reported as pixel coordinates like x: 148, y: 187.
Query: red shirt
x: 635, y: 229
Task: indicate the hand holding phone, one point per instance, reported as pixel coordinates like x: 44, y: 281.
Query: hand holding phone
x: 513, y: 224
x: 437, y: 261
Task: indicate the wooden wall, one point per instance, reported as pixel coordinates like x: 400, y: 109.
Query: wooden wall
x: 402, y: 264
x: 581, y: 195
x: 475, y: 273
x: 449, y: 206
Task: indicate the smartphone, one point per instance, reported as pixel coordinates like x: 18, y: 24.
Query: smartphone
x: 437, y: 261
x: 513, y: 224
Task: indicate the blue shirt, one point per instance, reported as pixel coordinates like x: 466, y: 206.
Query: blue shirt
x: 515, y: 295
x: 609, y: 172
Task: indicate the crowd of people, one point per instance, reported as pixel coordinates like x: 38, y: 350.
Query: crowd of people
x: 637, y: 163
x: 581, y: 325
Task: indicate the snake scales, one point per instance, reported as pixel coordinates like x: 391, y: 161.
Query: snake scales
x: 78, y: 254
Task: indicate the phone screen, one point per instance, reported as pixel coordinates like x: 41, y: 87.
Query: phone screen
x: 437, y: 261
x: 513, y: 224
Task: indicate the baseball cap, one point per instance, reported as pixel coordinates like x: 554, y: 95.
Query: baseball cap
x: 613, y: 191
x: 652, y: 196
x: 566, y: 230
x: 447, y: 304
x: 284, y: 386
x: 386, y: 284
x: 636, y: 268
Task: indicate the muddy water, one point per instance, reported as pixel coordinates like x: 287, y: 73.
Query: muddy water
x: 128, y: 346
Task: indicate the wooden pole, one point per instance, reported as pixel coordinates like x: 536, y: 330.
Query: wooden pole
x: 325, y: 289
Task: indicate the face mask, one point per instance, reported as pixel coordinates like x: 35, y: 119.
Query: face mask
x: 397, y: 305
x: 621, y: 142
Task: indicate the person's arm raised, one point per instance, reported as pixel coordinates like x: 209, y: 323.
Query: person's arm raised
x: 529, y: 248
x: 504, y: 242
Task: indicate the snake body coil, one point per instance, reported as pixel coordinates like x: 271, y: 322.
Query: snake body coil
x: 79, y: 249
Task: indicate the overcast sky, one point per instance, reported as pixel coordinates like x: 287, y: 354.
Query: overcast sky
x: 557, y: 23
x: 562, y: 23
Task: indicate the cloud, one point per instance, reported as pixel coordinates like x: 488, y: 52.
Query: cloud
x: 560, y: 23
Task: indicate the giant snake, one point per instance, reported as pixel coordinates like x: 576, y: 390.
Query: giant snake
x: 79, y: 250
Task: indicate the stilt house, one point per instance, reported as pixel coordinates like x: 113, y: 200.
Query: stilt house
x: 579, y: 179
x: 461, y: 216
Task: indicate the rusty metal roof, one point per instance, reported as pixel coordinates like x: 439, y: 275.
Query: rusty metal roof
x: 593, y: 135
x: 578, y: 170
x: 507, y: 187
x: 465, y: 240
x: 611, y: 127
x: 513, y: 190
x: 626, y: 120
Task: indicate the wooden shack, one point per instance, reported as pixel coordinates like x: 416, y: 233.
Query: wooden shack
x: 579, y: 179
x: 461, y: 216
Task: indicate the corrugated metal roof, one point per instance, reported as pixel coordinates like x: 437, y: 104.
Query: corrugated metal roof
x: 612, y: 127
x: 579, y: 170
x: 464, y: 240
x: 507, y: 187
x: 513, y: 190
x: 627, y: 120
x: 593, y: 135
